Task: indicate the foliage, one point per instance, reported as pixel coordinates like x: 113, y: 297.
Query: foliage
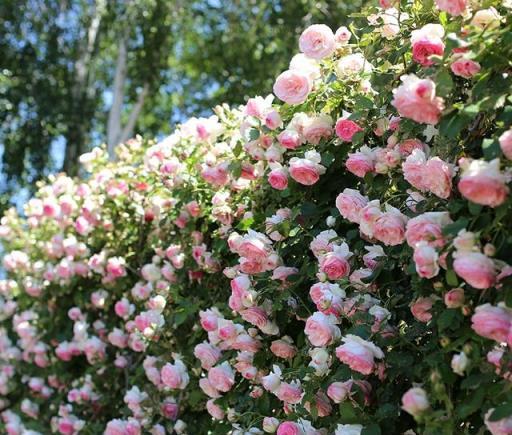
x: 335, y: 263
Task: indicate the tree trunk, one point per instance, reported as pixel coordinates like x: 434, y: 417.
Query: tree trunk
x: 82, y: 92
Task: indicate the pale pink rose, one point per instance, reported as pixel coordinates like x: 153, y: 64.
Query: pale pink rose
x: 306, y: 171
x: 371, y: 259
x: 278, y: 178
x: 465, y: 68
x: 426, y: 260
x: 290, y: 139
x: 293, y: 87
x: 339, y: 391
x: 214, y: 410
x: 482, y: 182
x: 361, y: 162
x: 506, y: 144
x: 207, y: 354
x: 406, y: 147
x: 358, y: 354
x: 438, y: 177
x: 475, y: 268
x: 222, y: 377
x: 258, y: 106
x: 270, y: 424
x: 426, y: 42
x: 414, y: 169
x: 254, y: 246
x: 317, y: 128
x: 321, y: 404
x: 327, y: 297
x: 415, y: 401
x: 342, y: 35
x: 283, y: 349
x: 420, y: 309
x: 350, y: 203
x: 175, y: 375
x: 453, y: 7
x: 486, y: 18
x: 346, y: 129
x: 389, y: 227
x: 289, y: 428
x: 416, y: 99
x: 255, y: 316
x: 493, y: 323
x: 454, y: 298
x: 273, y: 120
x: 209, y: 319
x: 427, y: 227
x: 317, y: 41
x: 208, y: 389
x: 321, y: 329
x: 369, y: 215
x: 289, y: 392
x: 499, y: 427
x: 334, y: 265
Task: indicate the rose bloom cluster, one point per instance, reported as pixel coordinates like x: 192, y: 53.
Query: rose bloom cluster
x: 332, y: 259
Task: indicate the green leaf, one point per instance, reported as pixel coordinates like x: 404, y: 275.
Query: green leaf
x: 491, y: 148
x: 451, y: 279
x: 444, y: 83
x: 472, y: 404
x: 501, y: 412
x: 373, y: 429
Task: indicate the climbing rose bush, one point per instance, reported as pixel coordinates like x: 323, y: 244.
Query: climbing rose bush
x: 333, y: 259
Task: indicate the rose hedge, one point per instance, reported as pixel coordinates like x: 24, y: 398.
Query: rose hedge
x: 335, y: 263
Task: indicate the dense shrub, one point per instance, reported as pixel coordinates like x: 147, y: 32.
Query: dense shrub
x: 338, y: 263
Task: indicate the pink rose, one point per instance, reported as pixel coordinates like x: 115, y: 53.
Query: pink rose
x: 317, y: 128
x: 289, y: 428
x: 222, y: 377
x: 369, y: 215
x: 350, y: 203
x: 346, y: 129
x: 387, y: 4
x: 426, y: 260
x: 335, y: 265
x: 289, y: 392
x: 482, y: 182
x: 317, y: 41
x: 209, y: 319
x: 389, y: 227
x: 493, y: 323
x: 339, y: 391
x: 293, y: 87
x: 465, y: 68
x: 426, y: 42
x: 214, y: 410
x: 208, y: 389
x: 428, y: 228
x: 454, y: 298
x: 290, y: 139
x: 506, y: 144
x: 255, y: 316
x: 321, y: 329
x: 207, y: 354
x: 358, y: 354
x: 438, y: 177
x: 453, y: 7
x: 406, y: 147
x: 416, y: 99
x: 283, y: 349
x: 306, y: 171
x: 420, y: 309
x: 342, y: 35
x: 278, y: 178
x: 415, y: 401
x: 175, y: 375
x: 475, y: 268
x: 361, y: 162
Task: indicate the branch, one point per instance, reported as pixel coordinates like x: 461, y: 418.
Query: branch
x: 127, y: 132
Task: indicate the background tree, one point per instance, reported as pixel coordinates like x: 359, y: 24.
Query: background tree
x: 79, y: 73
